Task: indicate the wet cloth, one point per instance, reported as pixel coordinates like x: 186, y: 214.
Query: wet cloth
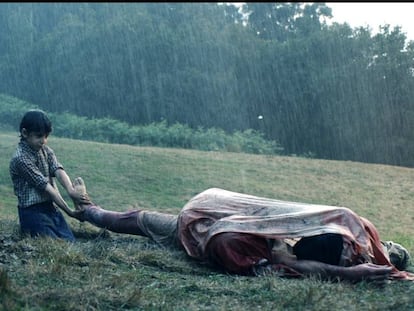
x: 216, y: 211
x: 160, y: 227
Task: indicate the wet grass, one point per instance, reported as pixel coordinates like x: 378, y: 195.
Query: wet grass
x: 108, y: 271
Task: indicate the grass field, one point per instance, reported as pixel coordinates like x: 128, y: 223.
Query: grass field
x: 108, y: 271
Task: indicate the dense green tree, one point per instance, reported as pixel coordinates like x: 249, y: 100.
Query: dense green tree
x: 282, y: 21
x: 330, y: 91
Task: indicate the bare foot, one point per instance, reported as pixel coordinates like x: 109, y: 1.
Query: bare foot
x: 79, y: 185
x: 80, y: 188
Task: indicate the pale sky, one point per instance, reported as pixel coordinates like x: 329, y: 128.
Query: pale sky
x: 374, y: 14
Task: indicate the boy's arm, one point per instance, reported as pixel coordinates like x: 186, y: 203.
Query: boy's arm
x: 58, y: 200
x: 65, y: 181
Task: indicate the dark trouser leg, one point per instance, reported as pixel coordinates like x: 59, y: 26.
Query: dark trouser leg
x: 325, y: 248
x: 120, y: 222
x: 44, y: 219
x: 159, y: 227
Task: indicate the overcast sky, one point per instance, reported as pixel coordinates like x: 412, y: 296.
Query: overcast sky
x: 375, y: 14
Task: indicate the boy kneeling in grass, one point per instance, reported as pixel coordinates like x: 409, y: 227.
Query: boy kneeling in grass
x: 33, y: 169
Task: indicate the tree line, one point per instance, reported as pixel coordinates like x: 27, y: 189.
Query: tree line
x: 279, y: 68
x: 158, y: 134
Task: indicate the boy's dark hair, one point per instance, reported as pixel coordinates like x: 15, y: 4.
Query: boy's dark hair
x: 36, y: 121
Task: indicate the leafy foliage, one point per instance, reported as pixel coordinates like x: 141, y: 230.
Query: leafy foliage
x: 328, y: 90
x: 155, y: 134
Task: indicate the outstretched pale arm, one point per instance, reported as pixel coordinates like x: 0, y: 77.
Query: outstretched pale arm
x: 366, y: 271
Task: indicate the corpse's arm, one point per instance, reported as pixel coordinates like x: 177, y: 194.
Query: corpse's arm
x: 366, y: 271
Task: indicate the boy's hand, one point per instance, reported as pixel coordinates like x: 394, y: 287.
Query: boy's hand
x: 78, y: 213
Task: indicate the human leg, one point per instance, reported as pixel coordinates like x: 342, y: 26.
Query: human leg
x: 159, y: 227
x: 120, y: 222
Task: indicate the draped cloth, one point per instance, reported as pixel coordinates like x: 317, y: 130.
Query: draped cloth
x: 217, y: 211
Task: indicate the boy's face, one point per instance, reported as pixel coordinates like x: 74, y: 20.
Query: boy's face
x: 35, y: 140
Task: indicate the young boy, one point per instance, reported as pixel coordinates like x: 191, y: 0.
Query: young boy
x: 32, y: 170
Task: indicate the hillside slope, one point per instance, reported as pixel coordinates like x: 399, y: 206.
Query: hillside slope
x: 120, y: 176
x: 108, y: 271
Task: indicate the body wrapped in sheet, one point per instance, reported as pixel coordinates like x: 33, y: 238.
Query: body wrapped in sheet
x: 217, y: 211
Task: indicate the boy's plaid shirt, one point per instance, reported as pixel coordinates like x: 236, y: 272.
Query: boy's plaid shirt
x: 30, y: 172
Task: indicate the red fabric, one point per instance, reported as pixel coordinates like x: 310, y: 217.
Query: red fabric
x: 237, y: 252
